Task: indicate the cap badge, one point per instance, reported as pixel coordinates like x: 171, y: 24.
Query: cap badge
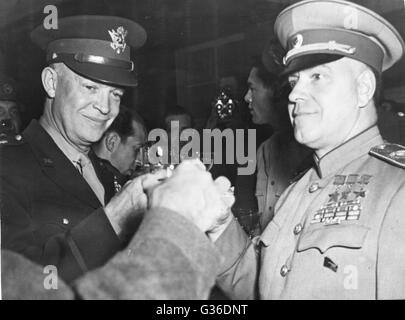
x: 297, y: 41
x: 118, y: 39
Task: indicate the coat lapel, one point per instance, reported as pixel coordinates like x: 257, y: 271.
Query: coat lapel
x: 57, y: 166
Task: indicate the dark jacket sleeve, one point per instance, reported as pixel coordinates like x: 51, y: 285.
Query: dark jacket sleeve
x: 168, y: 258
x: 36, y: 230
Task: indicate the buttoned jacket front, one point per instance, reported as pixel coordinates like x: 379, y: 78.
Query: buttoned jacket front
x: 337, y: 233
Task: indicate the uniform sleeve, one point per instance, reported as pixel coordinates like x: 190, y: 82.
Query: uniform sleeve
x: 391, y: 250
x: 85, y: 246
x: 168, y: 258
x: 239, y: 271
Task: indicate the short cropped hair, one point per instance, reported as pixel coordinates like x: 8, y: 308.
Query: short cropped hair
x: 269, y: 80
x: 122, y: 124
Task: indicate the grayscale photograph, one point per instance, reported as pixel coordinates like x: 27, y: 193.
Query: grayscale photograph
x: 208, y: 150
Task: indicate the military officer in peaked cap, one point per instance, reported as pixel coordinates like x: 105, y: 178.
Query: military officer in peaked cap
x: 338, y: 231
x: 10, y: 116
x: 52, y: 203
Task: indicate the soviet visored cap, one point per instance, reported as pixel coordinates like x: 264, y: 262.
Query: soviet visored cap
x: 8, y: 88
x: 315, y: 32
x: 96, y: 47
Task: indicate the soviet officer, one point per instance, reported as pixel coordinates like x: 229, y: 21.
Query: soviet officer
x: 52, y: 203
x: 338, y: 231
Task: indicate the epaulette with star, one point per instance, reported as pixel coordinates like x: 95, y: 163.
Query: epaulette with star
x: 11, y: 140
x: 391, y: 153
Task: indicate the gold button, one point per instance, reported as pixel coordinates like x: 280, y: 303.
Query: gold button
x: 65, y: 221
x: 298, y: 228
x: 284, y: 270
x: 313, y: 187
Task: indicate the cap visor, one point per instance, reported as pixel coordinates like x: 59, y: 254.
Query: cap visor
x: 309, y: 61
x: 103, y: 73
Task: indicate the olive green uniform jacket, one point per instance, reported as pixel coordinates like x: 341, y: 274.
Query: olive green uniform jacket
x: 49, y: 213
x: 168, y: 258
x: 338, y: 233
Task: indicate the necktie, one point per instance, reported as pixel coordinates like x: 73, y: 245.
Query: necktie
x: 86, y: 169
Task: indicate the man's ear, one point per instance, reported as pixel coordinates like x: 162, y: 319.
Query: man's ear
x: 112, y: 140
x: 366, y: 85
x: 49, y: 78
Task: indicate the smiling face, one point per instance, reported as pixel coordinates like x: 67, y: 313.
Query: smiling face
x: 83, y: 109
x: 259, y: 99
x: 324, y: 106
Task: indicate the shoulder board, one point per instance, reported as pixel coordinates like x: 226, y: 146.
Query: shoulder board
x: 13, y: 140
x: 391, y: 153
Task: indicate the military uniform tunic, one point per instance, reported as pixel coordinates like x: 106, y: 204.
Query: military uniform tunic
x: 338, y: 232
x: 49, y: 213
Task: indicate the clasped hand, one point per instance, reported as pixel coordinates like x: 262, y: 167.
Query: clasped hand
x: 190, y: 191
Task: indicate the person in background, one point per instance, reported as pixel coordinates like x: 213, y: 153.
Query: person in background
x: 179, y: 114
x: 10, y: 113
x: 116, y: 155
x: 176, y: 120
x: 280, y: 158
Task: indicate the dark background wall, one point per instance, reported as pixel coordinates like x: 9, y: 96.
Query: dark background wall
x: 191, y: 45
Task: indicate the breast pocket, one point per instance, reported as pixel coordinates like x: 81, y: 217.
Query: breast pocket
x: 325, y: 237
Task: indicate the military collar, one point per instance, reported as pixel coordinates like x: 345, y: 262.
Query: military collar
x: 68, y: 150
x: 56, y: 166
x: 347, y: 152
